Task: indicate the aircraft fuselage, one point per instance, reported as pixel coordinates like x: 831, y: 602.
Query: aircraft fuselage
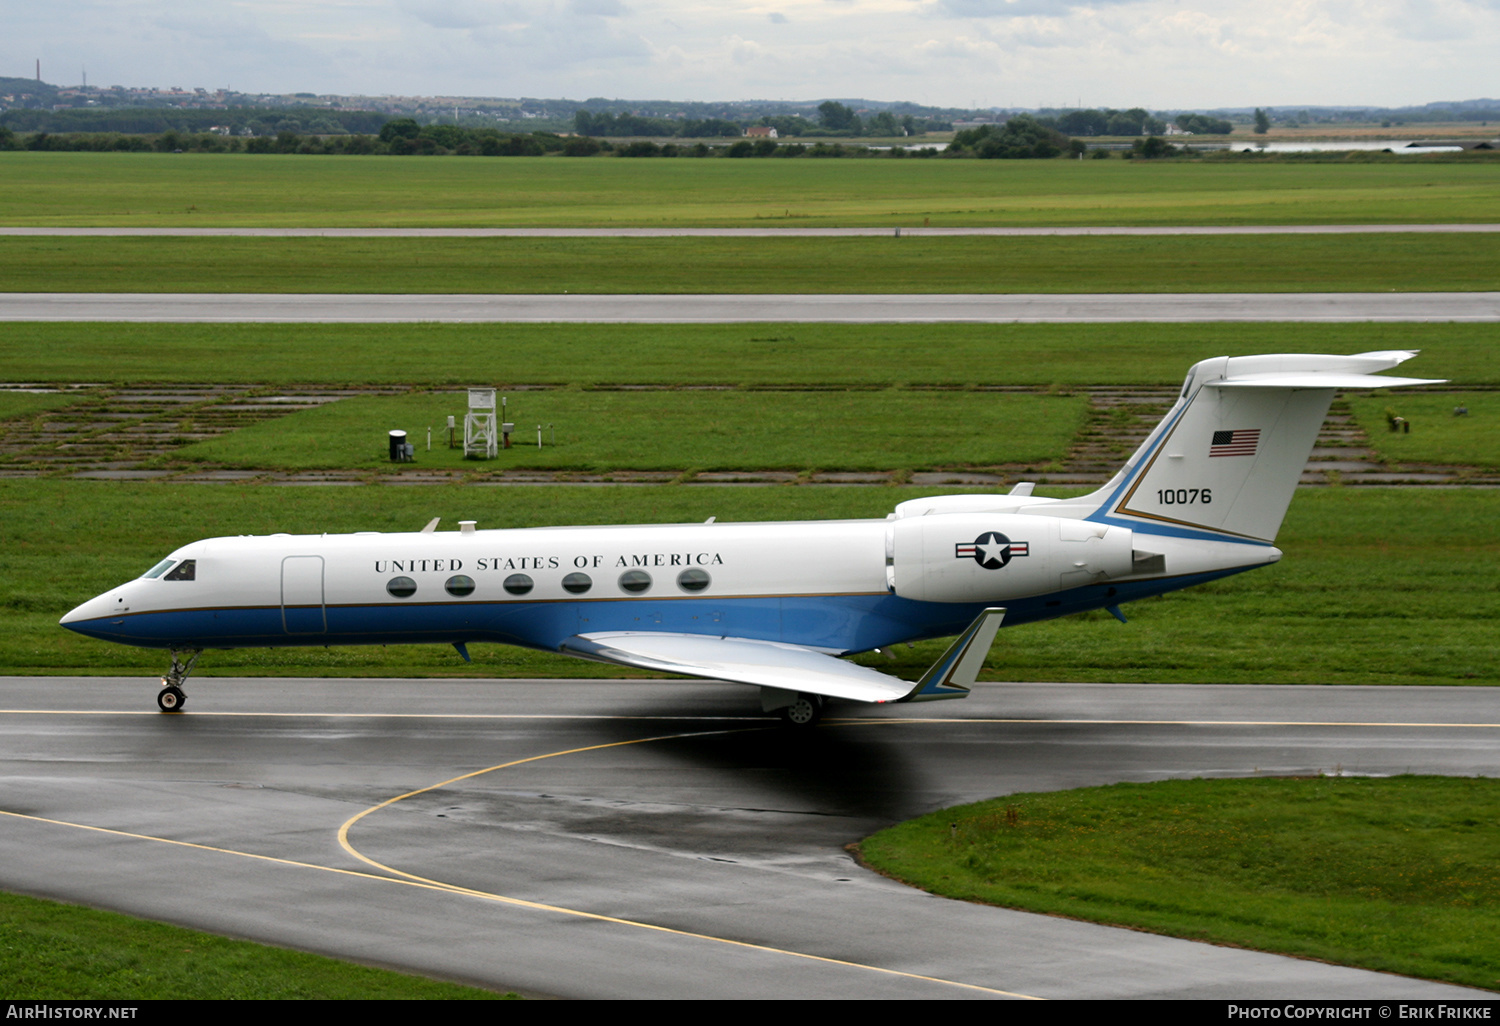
x: 819, y: 584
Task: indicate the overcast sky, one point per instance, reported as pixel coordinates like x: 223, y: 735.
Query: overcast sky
x: 964, y: 53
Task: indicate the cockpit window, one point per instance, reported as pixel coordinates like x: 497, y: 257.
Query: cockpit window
x: 185, y: 571
x: 156, y: 571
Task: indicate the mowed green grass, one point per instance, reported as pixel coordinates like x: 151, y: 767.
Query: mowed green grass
x: 1378, y: 586
x: 673, y: 430
x: 18, y: 405
x: 1437, y: 435
x: 705, y: 354
x: 1397, y: 875
x: 1315, y: 263
x: 57, y: 952
x: 111, y: 189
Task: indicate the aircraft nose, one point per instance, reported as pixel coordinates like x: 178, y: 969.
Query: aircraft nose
x: 95, y: 608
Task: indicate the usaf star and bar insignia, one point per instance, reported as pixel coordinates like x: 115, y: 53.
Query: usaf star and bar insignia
x: 991, y: 550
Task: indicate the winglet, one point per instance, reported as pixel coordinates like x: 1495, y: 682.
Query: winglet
x: 952, y: 675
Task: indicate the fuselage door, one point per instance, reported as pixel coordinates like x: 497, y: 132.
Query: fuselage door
x: 302, y: 595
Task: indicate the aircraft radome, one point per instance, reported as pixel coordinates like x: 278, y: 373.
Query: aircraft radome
x: 776, y: 604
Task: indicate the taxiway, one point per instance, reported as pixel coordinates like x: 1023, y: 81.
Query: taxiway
x: 989, y: 308
x: 647, y: 838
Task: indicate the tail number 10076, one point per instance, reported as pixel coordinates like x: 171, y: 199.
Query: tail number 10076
x: 1184, y: 496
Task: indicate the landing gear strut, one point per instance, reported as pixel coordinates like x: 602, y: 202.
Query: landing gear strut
x: 172, y: 697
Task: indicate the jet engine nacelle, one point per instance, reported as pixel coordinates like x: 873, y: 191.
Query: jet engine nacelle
x: 989, y: 558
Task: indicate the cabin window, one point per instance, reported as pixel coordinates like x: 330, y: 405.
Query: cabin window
x: 693, y: 579
x: 401, y: 587
x: 158, y: 569
x: 635, y: 581
x: 187, y: 570
x: 518, y: 584
x: 459, y: 586
x: 577, y: 583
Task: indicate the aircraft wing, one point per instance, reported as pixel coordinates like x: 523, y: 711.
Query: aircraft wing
x: 791, y: 667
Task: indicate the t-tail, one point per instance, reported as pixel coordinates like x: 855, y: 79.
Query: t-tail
x: 1228, y: 456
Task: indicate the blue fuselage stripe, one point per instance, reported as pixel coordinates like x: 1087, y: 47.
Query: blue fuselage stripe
x: 845, y: 623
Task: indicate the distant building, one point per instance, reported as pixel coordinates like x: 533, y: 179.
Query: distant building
x: 997, y: 121
x: 760, y: 132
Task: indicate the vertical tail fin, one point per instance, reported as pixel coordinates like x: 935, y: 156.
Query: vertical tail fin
x: 1228, y: 456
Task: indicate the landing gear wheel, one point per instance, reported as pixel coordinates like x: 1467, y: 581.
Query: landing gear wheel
x: 805, y: 712
x: 171, y: 697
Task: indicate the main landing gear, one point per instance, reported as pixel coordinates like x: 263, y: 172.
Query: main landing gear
x: 172, y: 697
x: 796, y: 708
x: 805, y: 712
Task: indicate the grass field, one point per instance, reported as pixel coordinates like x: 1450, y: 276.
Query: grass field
x: 58, y: 952
x: 781, y: 355
x: 1387, y: 586
x: 1396, y: 875
x: 1390, y: 587
x: 14, y: 405
x: 303, y: 191
x: 675, y: 430
x: 1318, y: 263
x: 1436, y: 435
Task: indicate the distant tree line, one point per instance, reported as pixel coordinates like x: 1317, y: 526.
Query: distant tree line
x: 834, y: 119
x: 613, y: 125
x: 1020, y: 137
x: 404, y: 137
x: 1134, y: 121
x: 239, y: 120
x: 1202, y: 124
x: 431, y: 139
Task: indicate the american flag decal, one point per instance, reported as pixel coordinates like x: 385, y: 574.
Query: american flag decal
x: 1235, y: 443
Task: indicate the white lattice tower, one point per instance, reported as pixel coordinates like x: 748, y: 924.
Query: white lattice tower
x: 481, y: 436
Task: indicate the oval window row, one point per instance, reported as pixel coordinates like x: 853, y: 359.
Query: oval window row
x: 634, y: 582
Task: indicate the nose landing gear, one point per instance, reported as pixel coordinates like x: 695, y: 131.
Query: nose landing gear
x: 172, y: 697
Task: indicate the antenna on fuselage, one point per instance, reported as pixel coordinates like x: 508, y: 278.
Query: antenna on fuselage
x: 431, y: 526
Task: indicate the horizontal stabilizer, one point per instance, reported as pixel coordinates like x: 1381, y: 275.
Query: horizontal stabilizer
x: 1305, y: 380
x: 1311, y: 370
x: 790, y: 667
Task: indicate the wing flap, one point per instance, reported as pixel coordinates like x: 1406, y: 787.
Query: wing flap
x: 742, y: 660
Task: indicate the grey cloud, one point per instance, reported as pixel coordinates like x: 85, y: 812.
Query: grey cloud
x: 603, y: 8
x: 460, y: 14
x: 777, y: 18
x: 1019, y: 8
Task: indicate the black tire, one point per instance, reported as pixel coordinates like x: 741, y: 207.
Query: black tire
x: 171, y: 699
x: 804, y: 713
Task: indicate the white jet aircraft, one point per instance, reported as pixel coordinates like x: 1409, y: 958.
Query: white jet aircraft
x: 776, y: 604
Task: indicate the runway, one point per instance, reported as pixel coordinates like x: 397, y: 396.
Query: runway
x: 746, y: 233
x: 1458, y: 307
x: 652, y: 839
